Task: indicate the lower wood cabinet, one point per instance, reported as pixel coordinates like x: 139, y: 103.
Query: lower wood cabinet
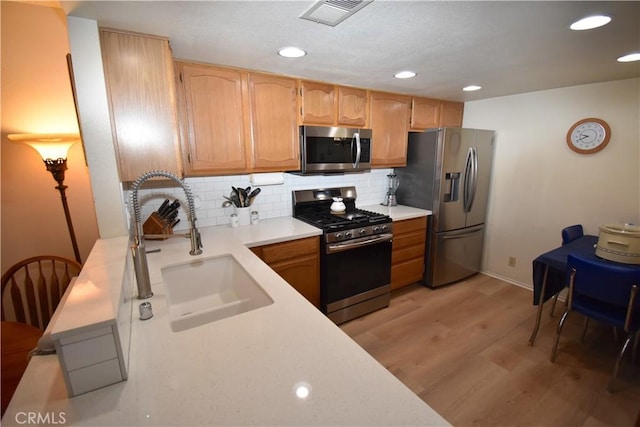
x: 407, y: 257
x: 297, y: 262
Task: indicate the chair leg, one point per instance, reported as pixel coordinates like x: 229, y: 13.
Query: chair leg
x: 558, y: 332
x: 584, y: 329
x: 618, y: 361
x: 553, y: 306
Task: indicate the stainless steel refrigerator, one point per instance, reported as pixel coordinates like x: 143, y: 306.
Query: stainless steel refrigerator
x: 448, y: 172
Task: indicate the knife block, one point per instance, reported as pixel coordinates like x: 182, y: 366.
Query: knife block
x: 155, y: 225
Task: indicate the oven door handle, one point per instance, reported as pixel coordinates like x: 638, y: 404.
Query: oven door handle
x: 358, y: 243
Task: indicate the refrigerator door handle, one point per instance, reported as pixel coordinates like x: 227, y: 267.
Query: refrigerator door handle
x: 468, y: 176
x: 474, y: 178
x: 461, y: 236
x: 356, y: 138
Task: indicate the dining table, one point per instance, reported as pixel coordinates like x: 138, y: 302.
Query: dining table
x: 18, y: 340
x: 549, y: 272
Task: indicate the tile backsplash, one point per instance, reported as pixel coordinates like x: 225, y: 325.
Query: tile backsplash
x: 273, y: 201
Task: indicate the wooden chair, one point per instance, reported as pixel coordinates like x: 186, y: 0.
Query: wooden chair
x: 32, y: 288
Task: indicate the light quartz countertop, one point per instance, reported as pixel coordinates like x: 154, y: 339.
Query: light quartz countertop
x: 242, y: 370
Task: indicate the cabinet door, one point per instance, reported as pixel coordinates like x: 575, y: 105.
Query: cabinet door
x: 274, y: 128
x: 317, y: 103
x: 353, y: 106
x: 143, y: 110
x: 390, y: 125
x: 297, y: 262
x: 451, y: 113
x: 425, y: 113
x: 213, y: 125
x: 302, y: 274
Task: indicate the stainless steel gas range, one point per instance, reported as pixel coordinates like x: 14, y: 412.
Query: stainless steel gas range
x: 355, y: 261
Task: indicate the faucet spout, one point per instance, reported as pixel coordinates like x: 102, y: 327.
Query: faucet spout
x: 138, y: 252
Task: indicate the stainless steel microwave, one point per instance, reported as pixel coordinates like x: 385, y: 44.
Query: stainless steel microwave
x: 325, y: 150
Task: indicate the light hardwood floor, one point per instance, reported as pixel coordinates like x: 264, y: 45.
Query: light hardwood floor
x: 463, y: 349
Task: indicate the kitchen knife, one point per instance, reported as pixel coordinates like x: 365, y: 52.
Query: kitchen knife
x: 173, y: 207
x: 162, y: 207
x: 172, y: 217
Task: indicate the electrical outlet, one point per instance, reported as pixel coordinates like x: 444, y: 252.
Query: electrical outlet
x: 512, y: 261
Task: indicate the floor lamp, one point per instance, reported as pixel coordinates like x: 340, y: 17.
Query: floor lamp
x: 54, y: 148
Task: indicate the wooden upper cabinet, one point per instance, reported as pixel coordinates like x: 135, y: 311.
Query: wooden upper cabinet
x: 317, y: 103
x: 274, y: 126
x: 212, y: 125
x: 353, y: 107
x: 425, y: 113
x: 330, y: 105
x: 451, y: 113
x: 390, y: 125
x: 141, y: 90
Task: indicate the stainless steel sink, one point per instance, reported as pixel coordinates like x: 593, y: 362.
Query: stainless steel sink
x: 209, y: 289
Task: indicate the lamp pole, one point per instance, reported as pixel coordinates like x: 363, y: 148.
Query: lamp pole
x: 57, y: 168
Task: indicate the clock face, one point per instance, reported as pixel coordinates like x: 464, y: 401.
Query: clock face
x: 588, y: 136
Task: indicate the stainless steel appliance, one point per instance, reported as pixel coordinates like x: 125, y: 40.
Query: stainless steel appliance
x: 390, y: 198
x: 334, y: 149
x: 355, y: 252
x: 448, y: 172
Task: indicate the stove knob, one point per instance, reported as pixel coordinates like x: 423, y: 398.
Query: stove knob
x: 338, y: 236
x: 362, y: 231
x: 384, y: 228
x: 376, y: 229
x: 348, y: 235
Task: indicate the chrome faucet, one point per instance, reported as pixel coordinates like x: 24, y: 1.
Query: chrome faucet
x: 138, y: 251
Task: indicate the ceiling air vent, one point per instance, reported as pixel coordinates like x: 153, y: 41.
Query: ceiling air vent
x: 333, y: 12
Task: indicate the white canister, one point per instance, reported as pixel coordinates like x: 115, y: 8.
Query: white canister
x: 244, y: 215
x: 233, y: 220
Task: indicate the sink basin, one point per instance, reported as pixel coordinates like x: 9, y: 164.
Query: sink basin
x: 206, y: 290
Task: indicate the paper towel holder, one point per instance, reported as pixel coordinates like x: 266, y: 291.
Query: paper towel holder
x: 270, y: 178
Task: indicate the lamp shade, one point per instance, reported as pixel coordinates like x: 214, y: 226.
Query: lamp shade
x: 50, y: 146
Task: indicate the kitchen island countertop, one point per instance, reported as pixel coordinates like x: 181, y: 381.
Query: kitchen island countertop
x: 243, y: 370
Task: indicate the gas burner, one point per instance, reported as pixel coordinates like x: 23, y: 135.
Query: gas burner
x: 313, y: 207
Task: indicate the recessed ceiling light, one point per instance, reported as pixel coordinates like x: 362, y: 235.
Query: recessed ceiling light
x: 404, y: 75
x: 291, y: 52
x: 590, y: 22
x: 471, y: 88
x: 630, y: 57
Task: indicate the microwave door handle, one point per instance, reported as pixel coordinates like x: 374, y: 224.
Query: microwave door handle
x: 356, y: 137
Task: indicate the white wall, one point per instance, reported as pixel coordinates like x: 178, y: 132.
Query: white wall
x: 93, y: 108
x: 540, y: 186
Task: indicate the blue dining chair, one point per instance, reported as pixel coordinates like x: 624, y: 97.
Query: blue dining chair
x: 571, y: 233
x: 607, y: 292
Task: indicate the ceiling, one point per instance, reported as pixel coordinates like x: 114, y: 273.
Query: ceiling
x: 507, y: 47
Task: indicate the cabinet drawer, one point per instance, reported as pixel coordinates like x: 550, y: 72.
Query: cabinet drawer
x: 412, y: 239
x: 406, y: 273
x: 409, y: 225
x: 289, y: 250
x: 405, y: 254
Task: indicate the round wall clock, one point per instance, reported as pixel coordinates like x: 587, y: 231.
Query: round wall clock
x: 588, y: 136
